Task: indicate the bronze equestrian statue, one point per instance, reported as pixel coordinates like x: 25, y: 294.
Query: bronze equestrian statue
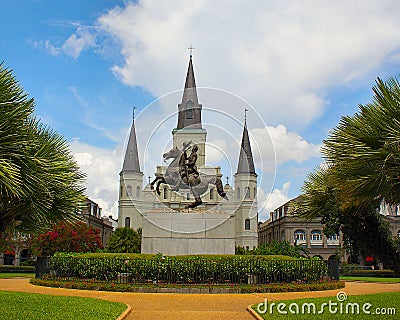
x: 182, y: 173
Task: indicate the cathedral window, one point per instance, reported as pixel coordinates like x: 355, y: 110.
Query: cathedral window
x: 137, y: 192
x: 255, y: 192
x: 211, y: 193
x: 247, y: 193
x: 238, y: 193
x: 247, y: 224
x: 127, y: 222
x: 129, y: 191
x: 165, y: 193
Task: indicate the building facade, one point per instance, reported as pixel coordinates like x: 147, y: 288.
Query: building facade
x: 284, y: 226
x: 391, y: 214
x: 136, y: 198
x: 91, y: 215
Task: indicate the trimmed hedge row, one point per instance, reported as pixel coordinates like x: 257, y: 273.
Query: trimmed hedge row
x: 19, y: 269
x: 189, y: 269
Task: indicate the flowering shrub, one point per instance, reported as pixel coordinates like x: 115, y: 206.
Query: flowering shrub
x: 189, y: 269
x: 66, y: 237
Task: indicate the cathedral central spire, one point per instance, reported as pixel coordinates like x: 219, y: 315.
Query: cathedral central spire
x: 246, y: 162
x: 189, y: 109
x: 131, y: 160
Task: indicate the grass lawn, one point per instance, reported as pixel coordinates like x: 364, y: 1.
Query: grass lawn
x: 19, y: 305
x: 370, y: 279
x: 16, y: 275
x: 381, y: 306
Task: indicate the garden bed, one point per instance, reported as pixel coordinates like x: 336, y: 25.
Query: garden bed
x: 187, y: 288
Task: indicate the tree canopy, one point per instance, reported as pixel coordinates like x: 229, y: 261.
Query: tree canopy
x: 40, y: 182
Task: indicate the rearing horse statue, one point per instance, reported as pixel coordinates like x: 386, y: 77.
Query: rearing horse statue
x: 182, y: 174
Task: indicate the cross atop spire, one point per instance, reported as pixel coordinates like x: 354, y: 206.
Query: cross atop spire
x: 245, y: 115
x: 191, y: 50
x: 133, y: 112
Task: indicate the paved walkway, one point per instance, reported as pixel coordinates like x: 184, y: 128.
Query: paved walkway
x: 149, y: 306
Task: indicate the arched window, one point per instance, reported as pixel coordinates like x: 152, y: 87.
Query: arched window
x: 189, y: 110
x: 238, y: 193
x: 247, y: 193
x: 137, y: 192
x: 255, y: 192
x: 247, y: 224
x: 127, y: 222
x: 300, y: 235
x: 316, y: 235
x: 165, y: 193
x: 333, y: 237
x: 129, y: 191
x: 120, y: 191
x: 211, y: 193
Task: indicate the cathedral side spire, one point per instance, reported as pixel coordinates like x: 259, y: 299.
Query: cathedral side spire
x: 189, y: 109
x: 131, y: 160
x: 246, y: 162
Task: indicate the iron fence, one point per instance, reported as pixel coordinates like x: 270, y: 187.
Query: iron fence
x: 191, y: 270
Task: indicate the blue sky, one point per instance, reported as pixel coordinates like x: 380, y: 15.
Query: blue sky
x: 300, y: 66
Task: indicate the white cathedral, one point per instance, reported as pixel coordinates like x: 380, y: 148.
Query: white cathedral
x: 137, y: 201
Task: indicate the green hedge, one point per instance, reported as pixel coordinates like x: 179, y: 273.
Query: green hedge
x: 19, y: 269
x: 188, y: 269
x: 370, y: 273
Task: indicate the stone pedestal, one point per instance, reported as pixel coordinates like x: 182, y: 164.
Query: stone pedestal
x: 194, y: 232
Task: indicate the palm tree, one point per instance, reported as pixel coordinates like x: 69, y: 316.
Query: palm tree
x: 362, y: 169
x: 364, y: 150
x: 40, y: 183
x: 125, y: 240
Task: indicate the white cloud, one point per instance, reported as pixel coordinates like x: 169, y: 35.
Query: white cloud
x: 274, y: 146
x: 82, y: 40
x: 77, y: 42
x: 279, y: 55
x: 102, y: 167
x: 267, y: 202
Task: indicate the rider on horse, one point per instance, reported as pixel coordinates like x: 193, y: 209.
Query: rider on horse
x: 189, y: 166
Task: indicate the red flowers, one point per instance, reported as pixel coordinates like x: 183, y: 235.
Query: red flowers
x: 67, y: 237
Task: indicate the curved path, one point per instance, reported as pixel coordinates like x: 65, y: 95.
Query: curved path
x: 150, y: 306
